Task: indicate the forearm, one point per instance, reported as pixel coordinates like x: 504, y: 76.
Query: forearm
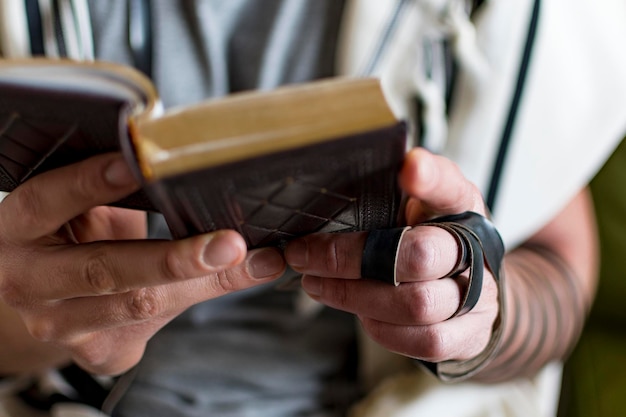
x: 549, y: 285
x: 19, y: 352
x: 545, y: 311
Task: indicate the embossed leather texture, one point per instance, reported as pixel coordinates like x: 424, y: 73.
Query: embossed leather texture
x: 344, y: 185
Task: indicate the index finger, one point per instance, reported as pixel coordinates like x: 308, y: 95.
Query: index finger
x: 425, y: 253
x: 109, y: 267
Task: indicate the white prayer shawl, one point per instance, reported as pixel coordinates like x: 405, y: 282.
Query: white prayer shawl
x: 571, y: 116
x: 573, y: 107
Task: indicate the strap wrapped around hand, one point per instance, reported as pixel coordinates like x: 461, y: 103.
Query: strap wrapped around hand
x: 482, y: 244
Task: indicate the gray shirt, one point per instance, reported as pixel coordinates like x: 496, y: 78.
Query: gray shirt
x: 250, y: 353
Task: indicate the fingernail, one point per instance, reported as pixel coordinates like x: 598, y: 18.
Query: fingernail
x: 118, y: 173
x: 265, y: 263
x: 296, y: 253
x: 221, y: 251
x: 312, y: 285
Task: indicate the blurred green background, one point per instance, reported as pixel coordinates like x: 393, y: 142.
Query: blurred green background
x: 594, y: 379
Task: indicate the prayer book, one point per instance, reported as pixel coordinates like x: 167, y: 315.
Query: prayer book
x: 320, y: 156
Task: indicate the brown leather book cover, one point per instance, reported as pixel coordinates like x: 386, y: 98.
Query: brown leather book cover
x: 321, y: 156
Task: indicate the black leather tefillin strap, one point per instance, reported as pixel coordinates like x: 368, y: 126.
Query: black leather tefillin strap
x: 381, y: 253
x: 485, y: 246
x: 480, y: 245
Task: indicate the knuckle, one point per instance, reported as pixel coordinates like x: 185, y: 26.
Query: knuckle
x: 97, y: 273
x: 84, y: 187
x: 333, y: 260
x: 424, y: 254
x: 144, y: 304
x: 27, y: 200
x: 421, y: 303
x: 337, y: 290
x: 435, y: 347
x: 375, y: 330
x: 44, y: 330
x: 174, y: 266
x: 10, y: 293
x: 14, y: 293
x: 93, y: 356
x: 100, y: 355
x: 226, y: 281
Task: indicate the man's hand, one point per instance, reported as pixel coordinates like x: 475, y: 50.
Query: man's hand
x: 83, y: 277
x: 413, y: 318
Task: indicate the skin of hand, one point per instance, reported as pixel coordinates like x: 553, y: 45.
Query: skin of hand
x: 80, y: 280
x: 413, y: 318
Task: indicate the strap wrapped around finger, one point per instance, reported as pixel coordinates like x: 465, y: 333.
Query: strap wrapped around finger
x: 484, y: 245
x: 480, y: 246
x: 380, y: 254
